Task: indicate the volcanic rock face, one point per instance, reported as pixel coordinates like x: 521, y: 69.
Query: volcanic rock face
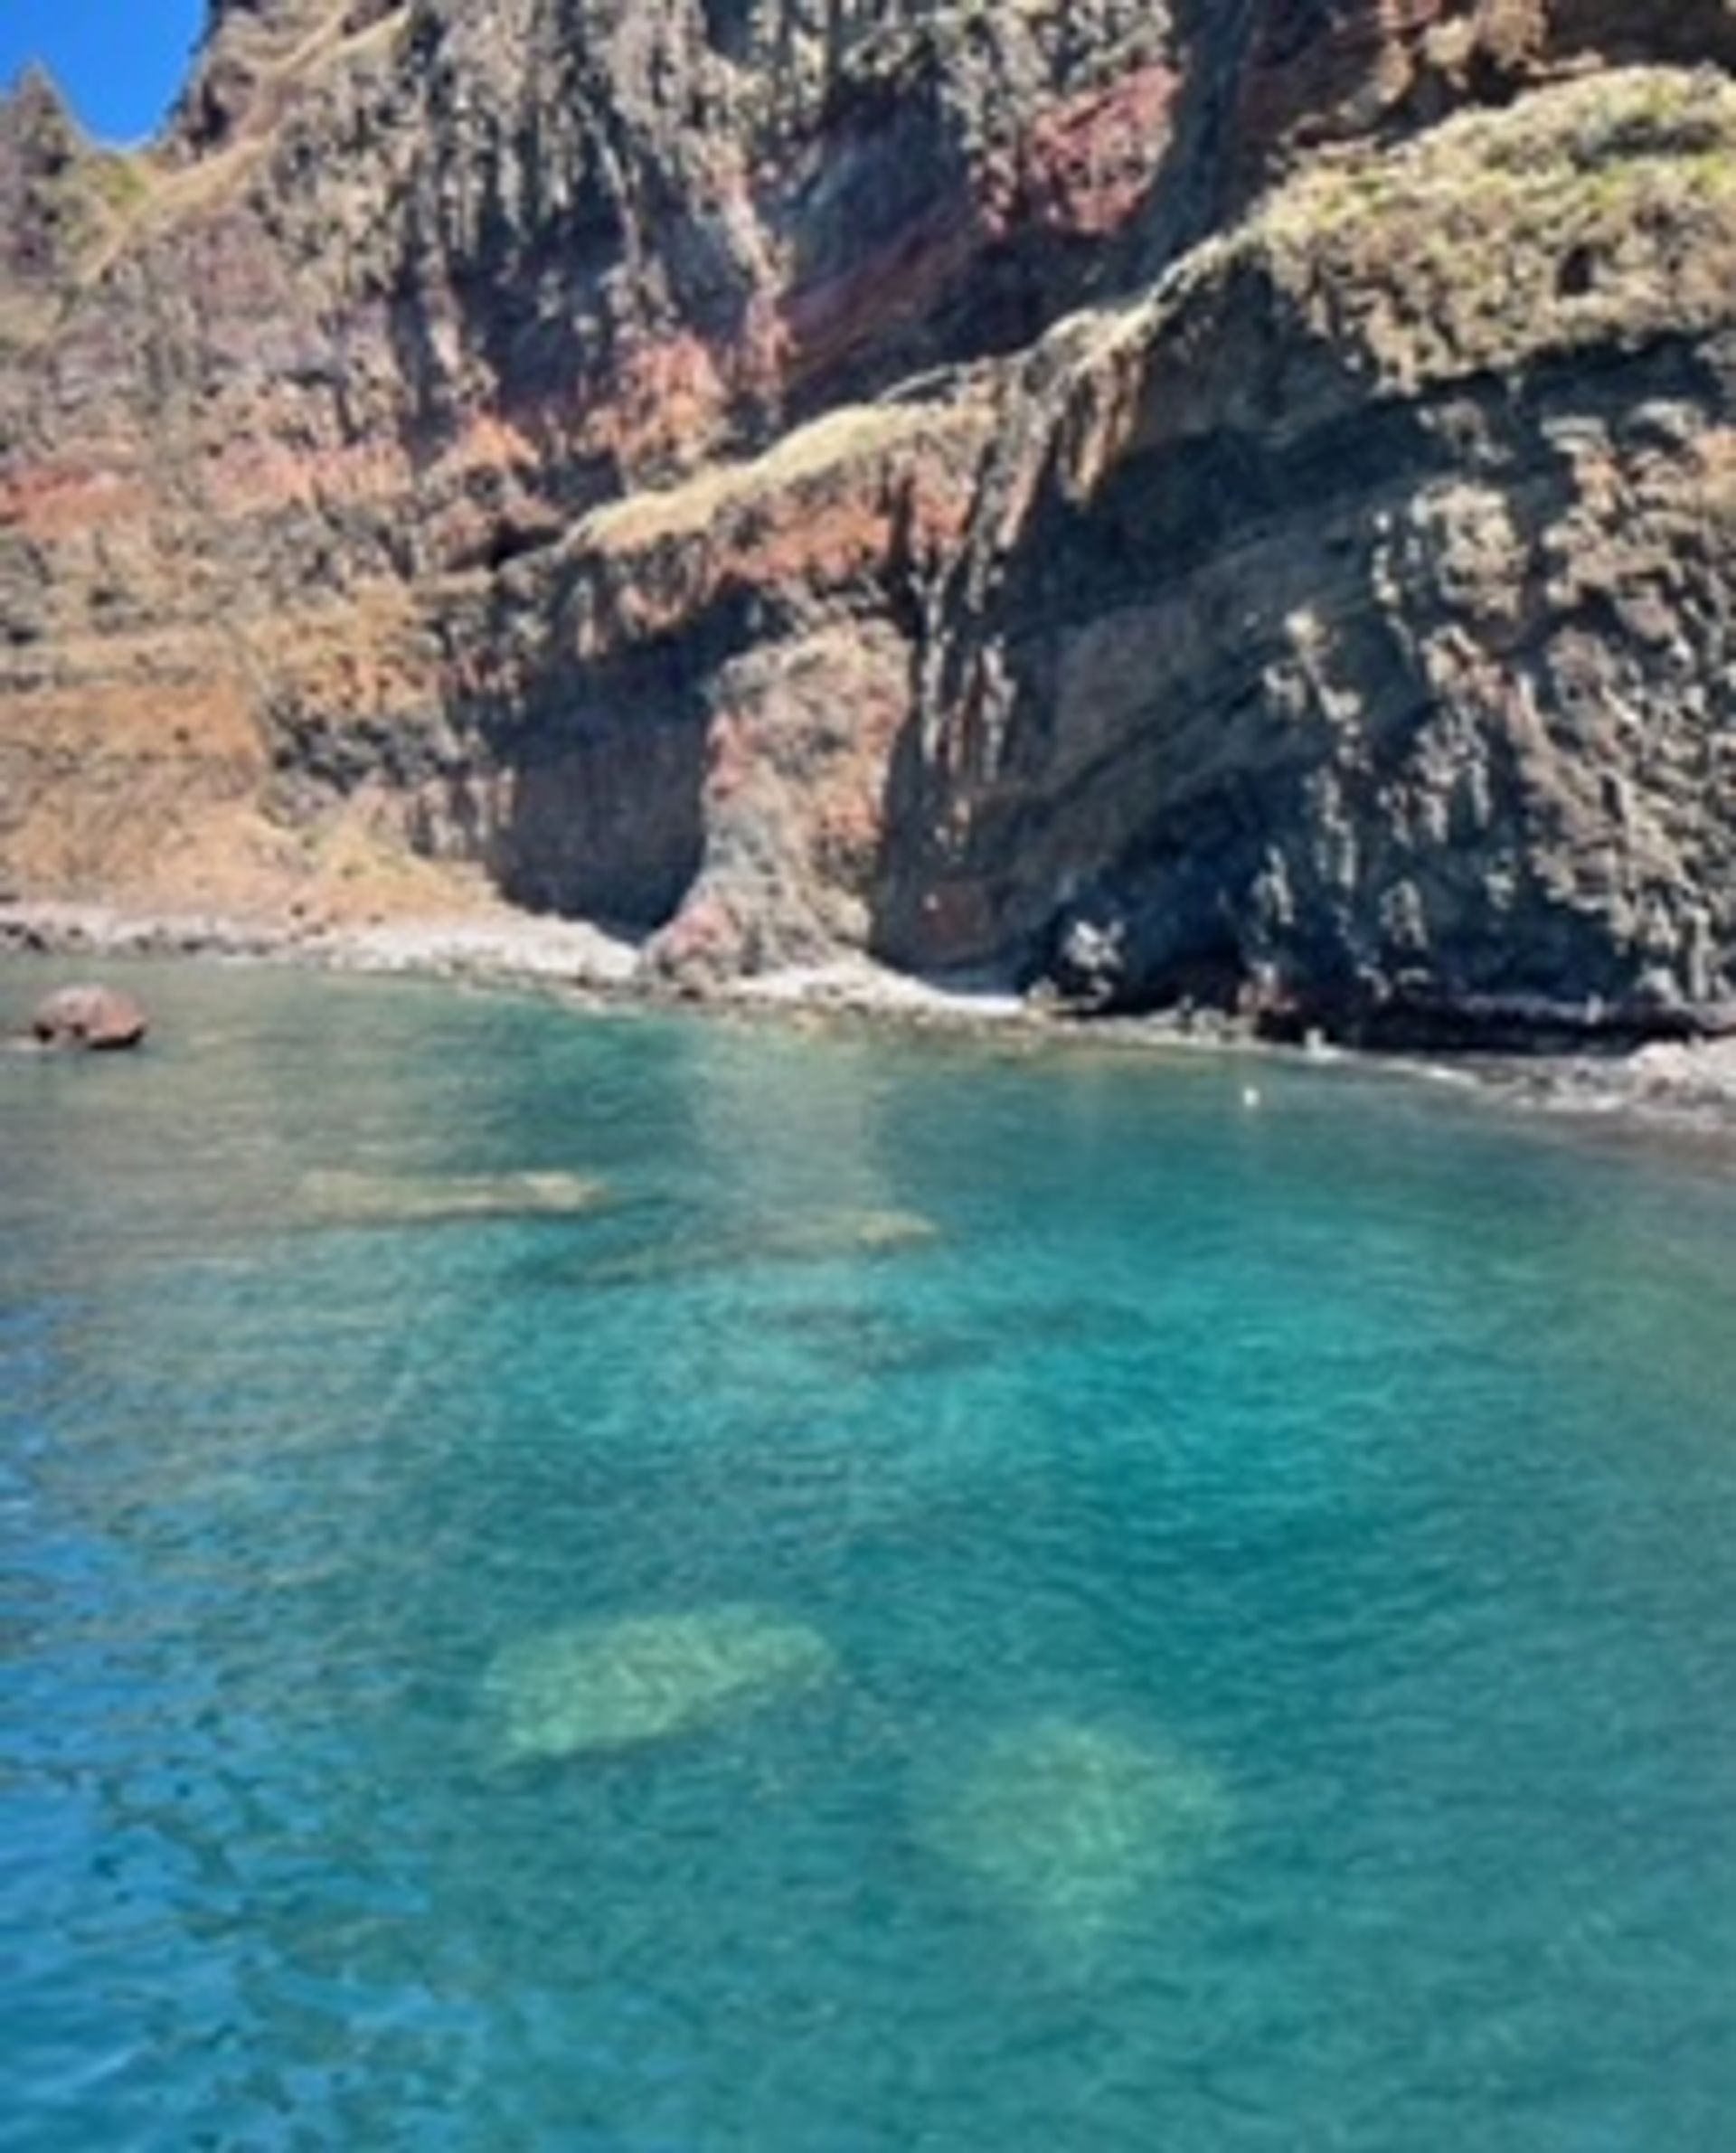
x: 1234, y: 501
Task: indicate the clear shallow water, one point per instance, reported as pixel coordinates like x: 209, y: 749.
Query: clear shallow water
x: 1274, y: 1572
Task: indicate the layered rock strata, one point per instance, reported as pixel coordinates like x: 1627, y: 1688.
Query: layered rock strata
x: 1231, y: 503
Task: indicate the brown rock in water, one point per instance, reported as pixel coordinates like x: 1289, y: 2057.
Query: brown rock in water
x: 97, y: 1017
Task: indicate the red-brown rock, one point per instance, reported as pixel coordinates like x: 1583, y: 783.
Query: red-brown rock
x: 98, y: 1017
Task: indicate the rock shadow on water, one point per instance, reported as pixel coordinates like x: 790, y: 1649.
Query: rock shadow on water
x: 891, y: 1342
x: 339, y: 1197
x: 612, y: 1686
x: 874, y: 1344
x: 1068, y: 1826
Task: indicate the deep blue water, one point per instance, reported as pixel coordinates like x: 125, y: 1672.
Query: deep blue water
x: 1268, y: 1580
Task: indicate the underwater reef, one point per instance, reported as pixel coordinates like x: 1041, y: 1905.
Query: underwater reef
x: 593, y: 1688
x: 1068, y: 1827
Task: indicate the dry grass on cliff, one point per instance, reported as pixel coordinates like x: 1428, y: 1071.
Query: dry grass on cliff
x: 1594, y: 214
x: 1590, y: 209
x: 153, y: 196
x: 94, y: 201
x: 316, y: 37
x: 852, y: 435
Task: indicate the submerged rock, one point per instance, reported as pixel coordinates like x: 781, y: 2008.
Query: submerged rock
x: 97, y: 1017
x: 875, y: 1230
x: 593, y: 1688
x: 1067, y: 1825
x: 417, y: 1199
x: 819, y: 1239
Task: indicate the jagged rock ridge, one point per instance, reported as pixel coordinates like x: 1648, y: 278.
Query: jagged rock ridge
x: 1231, y: 502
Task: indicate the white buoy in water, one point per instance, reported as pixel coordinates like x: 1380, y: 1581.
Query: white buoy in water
x: 1250, y: 1097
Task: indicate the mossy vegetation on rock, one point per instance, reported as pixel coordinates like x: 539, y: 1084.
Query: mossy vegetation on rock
x: 1598, y: 208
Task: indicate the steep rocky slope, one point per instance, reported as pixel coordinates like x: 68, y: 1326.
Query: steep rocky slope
x: 1236, y: 501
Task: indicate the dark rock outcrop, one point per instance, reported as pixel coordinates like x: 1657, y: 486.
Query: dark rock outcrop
x: 1224, y: 502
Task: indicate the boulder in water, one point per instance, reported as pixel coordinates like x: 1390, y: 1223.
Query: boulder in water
x: 594, y: 1688
x: 98, y: 1017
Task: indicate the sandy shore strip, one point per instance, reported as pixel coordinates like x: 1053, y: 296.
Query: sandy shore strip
x: 511, y: 947
x: 1689, y: 1088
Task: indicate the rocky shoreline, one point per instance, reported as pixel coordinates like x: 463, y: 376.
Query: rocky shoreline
x: 520, y: 949
x: 1684, y: 1086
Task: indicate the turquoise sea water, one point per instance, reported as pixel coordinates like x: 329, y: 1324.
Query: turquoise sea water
x: 977, y: 1603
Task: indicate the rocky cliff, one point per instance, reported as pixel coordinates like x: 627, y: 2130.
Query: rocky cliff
x: 1234, y: 501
